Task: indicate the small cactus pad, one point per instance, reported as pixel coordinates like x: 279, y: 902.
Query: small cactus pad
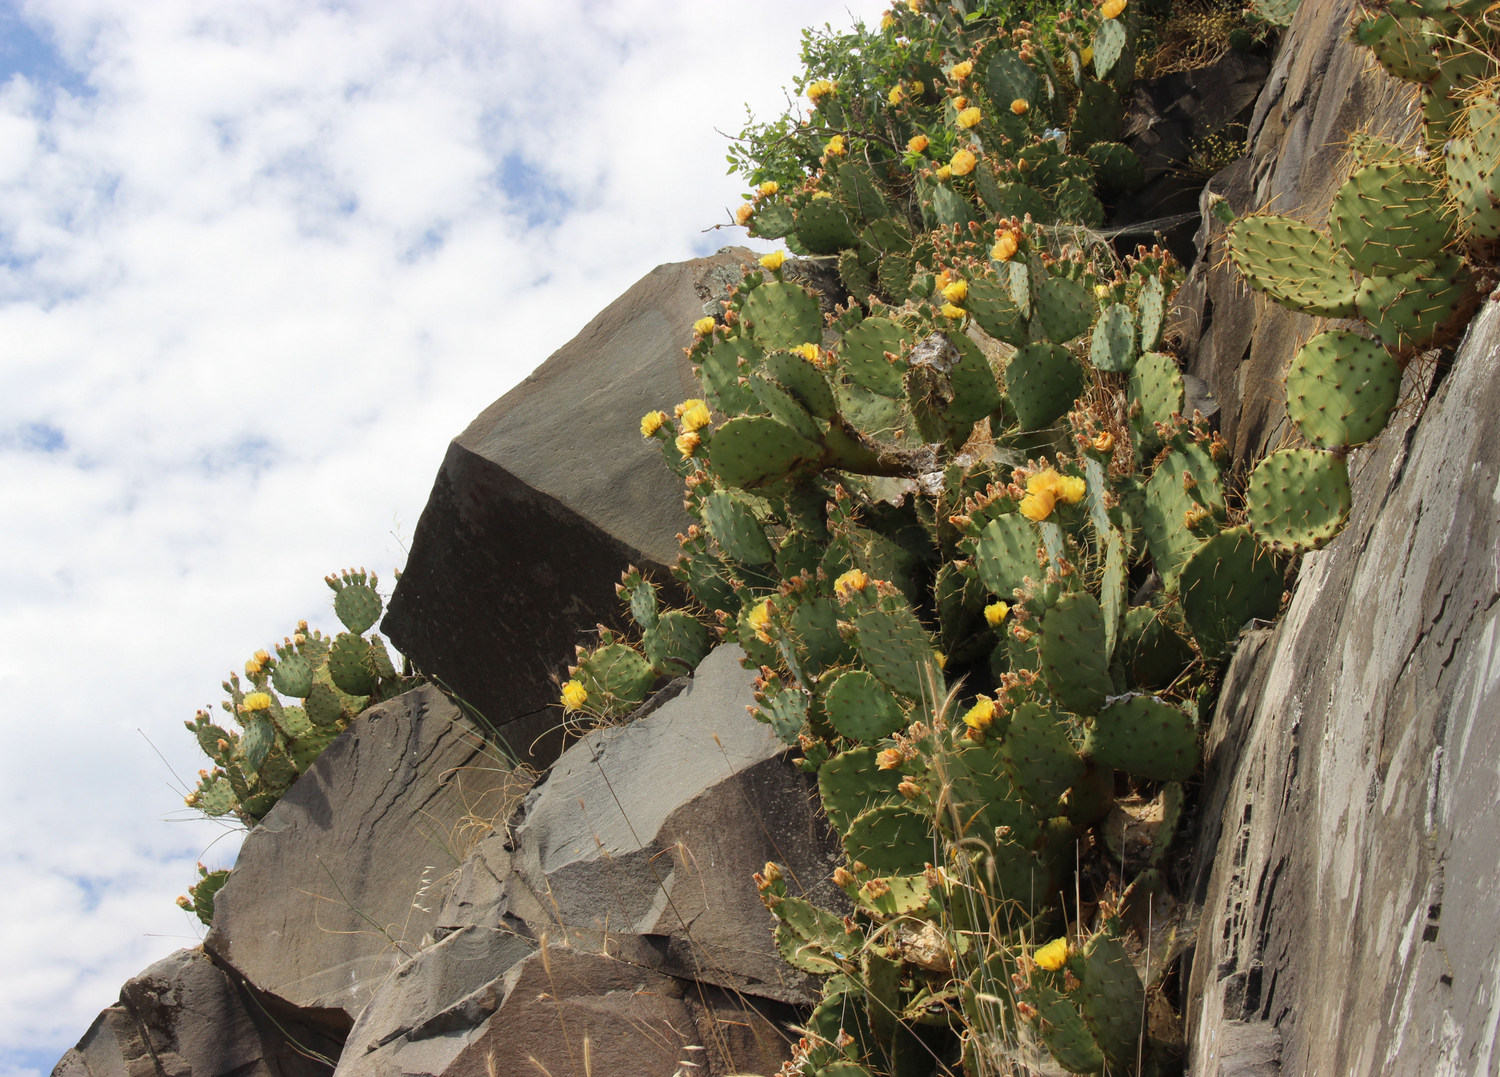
x: 804, y: 381
x: 1042, y: 381
x: 896, y: 648
x: 1294, y: 264
x: 732, y: 523
x: 677, y: 643
x: 1113, y: 998
x: 891, y: 837
x: 1064, y: 308
x: 752, y: 450
x: 1074, y: 654
x: 1063, y: 1030
x: 1006, y: 554
x: 991, y: 305
x: 616, y: 673
x: 851, y: 781
x: 860, y: 709
x: 349, y: 664
x: 1146, y: 737
x: 293, y: 676
x: 1388, y: 217
x: 719, y: 371
x: 1409, y: 309
x: 1298, y: 499
x: 1039, y: 758
x: 1156, y: 385
x: 863, y: 351
x: 780, y: 314
x: 1113, y: 346
x: 1341, y: 389
x: 1185, y: 482
x: 1152, y: 306
x: 1229, y: 581
x: 358, y: 606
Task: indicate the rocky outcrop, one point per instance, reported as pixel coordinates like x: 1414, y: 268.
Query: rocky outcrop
x: 542, y: 502
x: 340, y: 883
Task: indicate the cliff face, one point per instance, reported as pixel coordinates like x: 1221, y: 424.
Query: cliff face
x: 1343, y: 877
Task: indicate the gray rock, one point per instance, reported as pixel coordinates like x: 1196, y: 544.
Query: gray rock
x: 1349, y: 877
x: 340, y: 883
x: 183, y: 1017
x: 530, y: 522
x: 655, y: 828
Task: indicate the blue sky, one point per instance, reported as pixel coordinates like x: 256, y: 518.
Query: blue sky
x: 259, y: 261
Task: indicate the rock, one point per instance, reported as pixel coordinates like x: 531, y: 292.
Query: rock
x: 1347, y: 868
x: 530, y: 524
x: 655, y: 829
x: 183, y: 1017
x: 340, y: 882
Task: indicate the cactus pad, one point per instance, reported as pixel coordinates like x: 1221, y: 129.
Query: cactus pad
x: 732, y: 523
x: 1229, y: 581
x: 896, y: 649
x: 781, y: 315
x: 1388, y: 217
x: 349, y: 664
x: 1146, y: 737
x: 1341, y: 389
x: 990, y: 304
x: 1042, y: 381
x: 1074, y: 653
x: 851, y: 782
x: 1006, y: 554
x: 1298, y: 499
x: 891, y: 837
x: 1113, y: 999
x: 752, y: 450
x: 1408, y: 309
x: 1039, y: 758
x: 1064, y: 308
x: 860, y: 709
x: 1294, y: 264
x: 1113, y: 346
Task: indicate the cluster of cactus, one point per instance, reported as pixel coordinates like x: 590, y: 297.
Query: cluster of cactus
x: 1409, y: 249
x: 271, y: 741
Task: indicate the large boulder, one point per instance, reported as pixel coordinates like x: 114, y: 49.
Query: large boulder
x: 184, y: 1017
x: 1347, y: 865
x: 546, y: 497
x: 340, y: 883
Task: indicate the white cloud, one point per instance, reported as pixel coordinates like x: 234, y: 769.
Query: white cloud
x: 258, y: 263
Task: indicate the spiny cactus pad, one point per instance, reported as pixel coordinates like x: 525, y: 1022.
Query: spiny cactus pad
x: 1408, y: 309
x: 780, y: 314
x: 1113, y: 346
x: 752, y: 450
x: 862, y: 710
x: 862, y: 355
x: 1389, y: 216
x: 1298, y: 499
x: 1229, y: 581
x: 851, y: 781
x: 891, y: 837
x: 1006, y: 554
x: 896, y: 649
x: 1039, y: 758
x: 1042, y: 381
x: 1341, y: 388
x: 732, y: 522
x: 1113, y: 999
x: 1146, y: 737
x: 1074, y: 653
x: 1294, y: 264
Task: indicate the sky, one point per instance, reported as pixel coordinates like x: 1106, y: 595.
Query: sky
x: 259, y: 262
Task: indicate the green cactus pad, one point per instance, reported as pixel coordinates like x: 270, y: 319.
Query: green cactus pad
x: 1076, y: 203
x: 1472, y: 164
x: 732, y: 523
x: 860, y: 192
x: 862, y: 355
x: 1156, y: 385
x: 323, y: 705
x: 990, y: 305
x: 752, y: 450
x: 1039, y: 758
x: 216, y: 797
x: 293, y: 722
x: 804, y: 381
x: 202, y: 893
x: 781, y: 315
x: 851, y: 782
x: 1097, y: 117
x: 208, y: 736
x: 615, y: 675
x: 1296, y: 265
x: 1388, y: 217
x: 1042, y: 382
x: 1168, y: 502
x: 1229, y: 581
x: 1146, y: 737
x: 358, y: 606
x: 1113, y: 346
x: 806, y: 954
x: 1113, y: 999
x: 1109, y: 46
x: 823, y: 226
x: 1075, y: 657
x: 951, y: 208
x: 888, y: 235
x: 1341, y: 389
x: 304, y: 751
x: 349, y: 665
x: 1008, y: 78
x: 1298, y: 499
x: 719, y: 372
x: 813, y: 631
x: 1408, y: 309
x: 1014, y: 200
x: 905, y: 896
x: 897, y: 650
x: 784, y: 710
x: 1064, y: 308
x: 975, y: 392
x: 1399, y: 46
x: 256, y: 742
x: 860, y: 709
x: 1006, y: 554
x: 1063, y: 1030
x: 784, y: 406
x: 1152, y: 306
x: 380, y: 659
x: 1114, y: 593
x: 891, y: 837
x: 1119, y: 170
x: 677, y: 643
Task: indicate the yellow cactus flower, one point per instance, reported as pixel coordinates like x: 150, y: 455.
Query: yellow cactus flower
x: 768, y: 188
x: 574, y: 696
x: 1101, y: 291
x: 996, y: 612
x: 1006, y: 245
x: 682, y: 407
x: 914, y: 6
x: 687, y: 444
x: 773, y: 260
x: 253, y: 668
x: 969, y: 117
x: 897, y: 94
x: 961, y: 70
x: 956, y: 292
x: 1070, y: 489
x: 835, y: 146
x: 981, y: 715
x: 887, y: 21
x: 963, y: 162
x: 696, y: 416
x: 1038, y: 506
x: 651, y: 422
x: 1087, y: 55
x: 918, y: 144
x: 258, y: 701
x: 262, y: 656
x: 951, y: 311
x: 941, y: 659
x: 1105, y: 442
x: 816, y: 91
x: 944, y: 173
x: 1112, y: 9
x: 1054, y: 955
x: 960, y: 103
x: 742, y: 213
x: 1020, y: 106
x: 703, y: 326
x: 809, y: 351
x: 910, y: 790
x: 888, y: 759
x: 759, y: 619
x: 849, y: 582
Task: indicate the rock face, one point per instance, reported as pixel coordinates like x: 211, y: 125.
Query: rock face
x: 333, y: 891
x: 543, y: 501
x: 184, y: 1017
